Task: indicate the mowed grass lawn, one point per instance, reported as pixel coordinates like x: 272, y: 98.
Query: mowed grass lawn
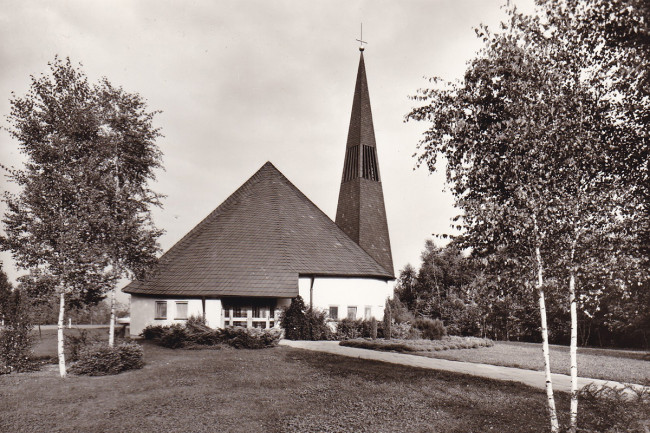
x: 618, y: 365
x: 273, y: 390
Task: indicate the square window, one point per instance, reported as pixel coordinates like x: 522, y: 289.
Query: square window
x: 352, y: 313
x: 334, y: 313
x: 367, y: 313
x: 181, y: 310
x: 161, y: 309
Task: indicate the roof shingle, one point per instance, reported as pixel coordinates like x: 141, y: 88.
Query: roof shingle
x: 257, y: 243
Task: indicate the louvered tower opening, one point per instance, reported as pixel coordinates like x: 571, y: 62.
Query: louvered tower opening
x: 351, y: 163
x: 369, y: 169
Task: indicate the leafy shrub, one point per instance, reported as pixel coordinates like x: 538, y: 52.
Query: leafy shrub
x: 388, y: 321
x: 153, y: 332
x: 101, y: 359
x: 250, y: 338
x: 404, y: 331
x: 317, y: 328
x: 195, y: 334
x: 74, y: 344
x: 373, y: 328
x: 614, y: 409
x: 347, y: 329
x: 351, y: 328
x: 174, y: 336
x: 16, y: 336
x: 300, y: 323
x: 431, y: 329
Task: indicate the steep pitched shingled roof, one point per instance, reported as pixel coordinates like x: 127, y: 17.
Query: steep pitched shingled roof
x: 256, y: 243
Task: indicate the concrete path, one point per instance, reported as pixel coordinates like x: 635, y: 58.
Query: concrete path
x: 561, y: 382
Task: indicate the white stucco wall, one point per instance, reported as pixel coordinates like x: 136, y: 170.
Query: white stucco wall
x: 143, y: 311
x: 347, y: 292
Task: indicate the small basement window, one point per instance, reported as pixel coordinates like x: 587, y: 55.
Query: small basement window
x: 161, y: 310
x: 352, y: 313
x: 181, y: 310
x: 334, y: 313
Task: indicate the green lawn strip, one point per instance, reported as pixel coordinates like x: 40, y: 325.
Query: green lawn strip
x: 595, y: 364
x: 276, y: 390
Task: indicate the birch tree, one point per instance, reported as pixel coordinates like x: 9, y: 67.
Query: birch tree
x: 530, y: 140
x: 65, y: 226
x: 128, y: 162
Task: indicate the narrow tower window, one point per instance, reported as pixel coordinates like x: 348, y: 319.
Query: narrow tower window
x: 350, y: 169
x: 370, y: 163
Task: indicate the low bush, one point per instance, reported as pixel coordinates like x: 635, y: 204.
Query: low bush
x: 405, y: 331
x: 385, y: 345
x: 250, y: 338
x: 153, y: 332
x: 347, y: 329
x: 614, y: 409
x: 174, y: 336
x: 302, y: 323
x: 422, y: 345
x: 74, y: 344
x: 195, y: 334
x: 431, y: 329
x: 101, y: 359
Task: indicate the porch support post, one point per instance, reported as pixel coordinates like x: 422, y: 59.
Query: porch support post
x: 311, y: 293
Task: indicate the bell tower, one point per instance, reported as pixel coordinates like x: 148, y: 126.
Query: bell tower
x: 361, y: 212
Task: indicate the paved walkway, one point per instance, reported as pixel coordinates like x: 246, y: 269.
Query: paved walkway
x: 561, y: 382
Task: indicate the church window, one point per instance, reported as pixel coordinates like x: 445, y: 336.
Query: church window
x: 352, y: 313
x: 161, y: 309
x: 334, y: 313
x: 181, y: 310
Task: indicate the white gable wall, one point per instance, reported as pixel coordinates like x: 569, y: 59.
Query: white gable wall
x: 347, y: 292
x: 143, y: 312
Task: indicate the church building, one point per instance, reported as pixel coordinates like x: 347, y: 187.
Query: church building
x: 268, y: 243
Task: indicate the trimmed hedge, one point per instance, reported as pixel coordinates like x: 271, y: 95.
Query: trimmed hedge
x: 101, y: 359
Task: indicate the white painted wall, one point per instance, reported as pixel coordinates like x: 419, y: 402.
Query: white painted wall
x: 347, y: 292
x: 143, y: 311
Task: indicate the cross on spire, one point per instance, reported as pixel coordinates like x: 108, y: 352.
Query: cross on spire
x: 361, y: 41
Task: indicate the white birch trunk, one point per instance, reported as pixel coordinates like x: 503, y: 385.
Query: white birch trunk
x: 547, y: 361
x: 111, y: 326
x: 61, y: 353
x: 574, y: 356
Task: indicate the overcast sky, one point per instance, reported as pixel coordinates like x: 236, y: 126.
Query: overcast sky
x: 240, y: 83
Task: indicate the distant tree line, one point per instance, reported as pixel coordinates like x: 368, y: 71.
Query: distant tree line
x: 468, y: 297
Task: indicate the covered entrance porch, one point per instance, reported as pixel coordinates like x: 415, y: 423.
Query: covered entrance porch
x: 251, y: 312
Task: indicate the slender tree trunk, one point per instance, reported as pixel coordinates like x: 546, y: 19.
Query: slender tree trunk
x: 61, y: 353
x: 574, y: 356
x: 547, y: 361
x: 111, y: 326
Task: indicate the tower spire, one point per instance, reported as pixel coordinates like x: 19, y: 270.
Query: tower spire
x: 361, y: 212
